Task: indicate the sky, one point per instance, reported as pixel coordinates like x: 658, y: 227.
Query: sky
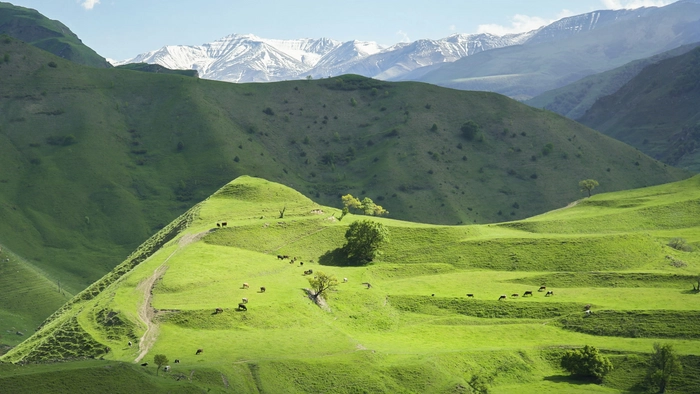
x: 122, y: 29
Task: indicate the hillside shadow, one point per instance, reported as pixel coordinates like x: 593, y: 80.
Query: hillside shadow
x: 568, y: 380
x: 339, y: 258
x: 336, y: 257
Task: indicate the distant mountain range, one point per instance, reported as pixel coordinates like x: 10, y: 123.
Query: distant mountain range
x: 518, y: 65
x: 247, y: 58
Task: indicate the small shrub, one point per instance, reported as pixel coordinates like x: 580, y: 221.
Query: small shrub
x: 470, y: 129
x: 434, y: 128
x: 586, y: 362
x: 353, y: 102
x: 53, y: 64
x: 236, y: 159
x: 6, y: 58
x: 680, y: 244
x: 547, y: 149
x: 268, y: 111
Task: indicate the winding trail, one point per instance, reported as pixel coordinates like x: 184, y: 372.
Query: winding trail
x: 146, y: 312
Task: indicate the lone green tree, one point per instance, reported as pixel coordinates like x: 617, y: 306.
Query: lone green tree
x: 160, y: 360
x: 470, y: 129
x: 588, y: 185
x: 364, y: 238
x: 586, y: 362
x: 322, y: 283
x: 663, y: 365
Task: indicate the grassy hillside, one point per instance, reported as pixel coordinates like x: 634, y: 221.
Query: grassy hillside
x: 575, y: 99
x: 525, y: 71
x: 53, y: 36
x: 414, y: 330
x: 656, y: 111
x: 103, y: 158
x: 27, y: 297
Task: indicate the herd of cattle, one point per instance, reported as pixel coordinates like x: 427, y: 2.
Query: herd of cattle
x: 242, y: 305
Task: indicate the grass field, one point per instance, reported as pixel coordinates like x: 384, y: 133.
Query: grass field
x: 414, y: 330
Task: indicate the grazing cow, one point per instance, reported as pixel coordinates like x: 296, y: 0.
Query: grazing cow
x: 177, y: 361
x: 242, y: 307
x: 301, y: 263
x: 244, y: 300
x: 218, y: 225
x: 223, y: 224
x: 367, y: 284
x: 542, y: 288
x: 291, y: 262
x: 245, y: 286
x: 262, y: 289
x: 433, y: 294
x: 218, y: 310
x: 144, y: 364
x: 587, y: 307
x: 199, y: 351
x: 502, y: 297
x: 588, y: 312
x: 280, y: 257
x: 345, y: 280
x: 549, y: 293
x: 515, y: 295
x: 166, y: 368
x: 527, y: 293
x: 130, y: 343
x: 470, y: 295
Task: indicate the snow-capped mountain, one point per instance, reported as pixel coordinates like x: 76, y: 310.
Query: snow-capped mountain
x: 247, y: 58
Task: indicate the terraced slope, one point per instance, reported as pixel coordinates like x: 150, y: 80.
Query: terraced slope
x: 414, y: 330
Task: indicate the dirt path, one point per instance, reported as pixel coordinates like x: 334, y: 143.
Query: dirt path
x: 146, y: 312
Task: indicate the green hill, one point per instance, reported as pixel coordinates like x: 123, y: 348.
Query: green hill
x: 27, y: 297
x: 53, y: 36
x: 656, y: 111
x: 414, y: 330
x: 575, y: 99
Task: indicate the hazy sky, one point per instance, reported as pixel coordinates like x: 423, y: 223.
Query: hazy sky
x: 121, y: 29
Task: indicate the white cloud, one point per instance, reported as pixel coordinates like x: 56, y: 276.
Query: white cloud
x: 453, y: 28
x: 521, y: 23
x: 403, y: 35
x: 632, y: 4
x: 89, y: 4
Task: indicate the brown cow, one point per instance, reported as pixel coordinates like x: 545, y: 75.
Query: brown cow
x: 515, y: 295
x: 245, y: 286
x: 218, y: 310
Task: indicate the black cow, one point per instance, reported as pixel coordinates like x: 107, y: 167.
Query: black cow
x: 144, y: 364
x: 218, y: 310
x: 242, y: 307
x: 177, y: 361
x: 470, y: 295
x: 549, y: 293
x: 262, y: 289
x: 503, y: 297
x: 542, y: 288
x: 527, y: 293
x: 199, y: 351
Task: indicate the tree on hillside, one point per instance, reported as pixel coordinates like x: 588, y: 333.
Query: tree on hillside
x: 588, y: 185
x: 160, y: 360
x: 663, y: 365
x: 470, y: 129
x: 364, y: 238
x: 586, y: 362
x: 367, y: 206
x: 322, y: 283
